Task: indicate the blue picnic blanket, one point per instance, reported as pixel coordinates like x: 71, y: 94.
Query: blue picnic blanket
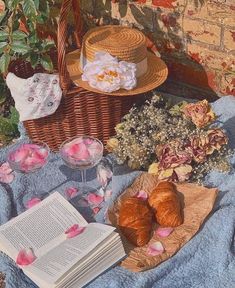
x: 206, y: 261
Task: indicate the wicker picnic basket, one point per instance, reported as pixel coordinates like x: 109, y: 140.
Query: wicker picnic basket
x: 81, y: 112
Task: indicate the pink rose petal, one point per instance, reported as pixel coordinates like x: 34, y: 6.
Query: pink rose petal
x: 103, y: 175
x: 6, y: 175
x: 6, y: 178
x: 94, y: 199
x: 5, y: 168
x: 25, y: 257
x: 19, y: 155
x: 96, y: 210
x: 74, y: 231
x: 155, y: 249
x: 88, y: 141
x: 142, y: 195
x: 71, y: 192
x: 78, y: 151
x: 29, y: 157
x: 108, y: 194
x: 32, y: 202
x: 95, y: 148
x: 164, y: 232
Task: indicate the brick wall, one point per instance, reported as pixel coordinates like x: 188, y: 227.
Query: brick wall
x: 196, y: 38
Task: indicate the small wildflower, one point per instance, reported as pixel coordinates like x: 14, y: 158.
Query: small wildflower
x: 165, y: 136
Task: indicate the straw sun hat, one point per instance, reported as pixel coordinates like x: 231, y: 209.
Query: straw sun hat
x: 126, y: 44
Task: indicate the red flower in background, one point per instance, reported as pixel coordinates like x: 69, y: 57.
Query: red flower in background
x: 163, y: 3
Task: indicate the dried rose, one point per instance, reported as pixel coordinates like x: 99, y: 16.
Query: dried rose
x: 177, y: 174
x: 200, y: 113
x: 112, y: 144
x: 172, y: 155
x: 197, y: 147
x: 216, y: 138
x: 154, y: 169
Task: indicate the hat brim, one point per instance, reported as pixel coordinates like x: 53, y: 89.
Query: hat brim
x: 154, y: 77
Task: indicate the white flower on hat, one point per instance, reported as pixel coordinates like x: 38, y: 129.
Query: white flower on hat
x: 106, y: 74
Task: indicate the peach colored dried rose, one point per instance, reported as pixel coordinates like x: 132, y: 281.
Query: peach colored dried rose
x: 199, y: 113
x: 216, y: 138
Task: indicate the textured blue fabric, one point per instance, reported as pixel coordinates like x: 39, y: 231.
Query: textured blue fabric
x: 207, y: 261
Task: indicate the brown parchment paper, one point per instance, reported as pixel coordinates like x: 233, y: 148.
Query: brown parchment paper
x: 197, y: 202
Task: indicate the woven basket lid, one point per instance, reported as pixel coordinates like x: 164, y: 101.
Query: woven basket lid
x: 127, y: 45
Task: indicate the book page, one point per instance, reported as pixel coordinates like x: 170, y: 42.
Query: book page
x: 41, y: 227
x: 59, y: 260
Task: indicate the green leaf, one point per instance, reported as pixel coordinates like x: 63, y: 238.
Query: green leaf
x: 37, y: 3
x: 29, y: 8
x: 48, y: 45
x: 47, y: 63
x: 3, y: 35
x: 4, y: 62
x: 14, y: 117
x: 7, y: 127
x: 20, y: 48
x: 34, y: 60
x: 11, y: 4
x: 2, y: 98
x: 176, y: 110
x: 18, y: 35
x: 2, y: 46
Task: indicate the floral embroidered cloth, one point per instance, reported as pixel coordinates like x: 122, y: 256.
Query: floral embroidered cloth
x: 206, y: 261
x: 35, y: 97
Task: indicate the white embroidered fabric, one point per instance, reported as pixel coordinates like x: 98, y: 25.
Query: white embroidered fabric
x: 35, y: 97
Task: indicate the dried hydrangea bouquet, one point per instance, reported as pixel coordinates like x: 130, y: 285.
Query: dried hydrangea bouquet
x: 176, y: 143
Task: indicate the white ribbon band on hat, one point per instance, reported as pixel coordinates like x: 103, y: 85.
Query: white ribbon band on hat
x: 141, y: 67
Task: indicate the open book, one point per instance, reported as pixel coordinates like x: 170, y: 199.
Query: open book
x: 61, y: 262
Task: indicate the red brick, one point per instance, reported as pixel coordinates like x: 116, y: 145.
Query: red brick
x: 229, y: 39
x: 202, y: 31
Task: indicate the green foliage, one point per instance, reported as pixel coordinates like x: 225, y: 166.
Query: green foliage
x: 26, y: 32
x: 9, y: 126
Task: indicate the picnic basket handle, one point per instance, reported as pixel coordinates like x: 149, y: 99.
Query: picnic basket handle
x: 65, y: 81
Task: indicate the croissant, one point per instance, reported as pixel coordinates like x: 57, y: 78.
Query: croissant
x: 135, y: 220
x: 165, y: 200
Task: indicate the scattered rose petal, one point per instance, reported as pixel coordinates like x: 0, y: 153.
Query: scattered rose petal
x: 164, y: 231
x: 101, y: 192
x: 108, y: 194
x: 32, y: 202
x: 74, y: 231
x: 94, y: 199
x: 155, y: 249
x: 25, y: 257
x: 6, y: 173
x: 71, y: 192
x: 142, y: 195
x: 5, y: 167
x: 96, y: 210
x: 103, y: 175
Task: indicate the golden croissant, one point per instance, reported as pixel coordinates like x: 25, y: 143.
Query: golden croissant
x: 135, y: 220
x: 166, y: 203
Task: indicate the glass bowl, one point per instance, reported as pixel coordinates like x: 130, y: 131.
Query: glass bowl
x: 81, y: 152
x: 28, y: 157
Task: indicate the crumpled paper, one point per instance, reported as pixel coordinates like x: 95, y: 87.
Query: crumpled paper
x: 197, y: 202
